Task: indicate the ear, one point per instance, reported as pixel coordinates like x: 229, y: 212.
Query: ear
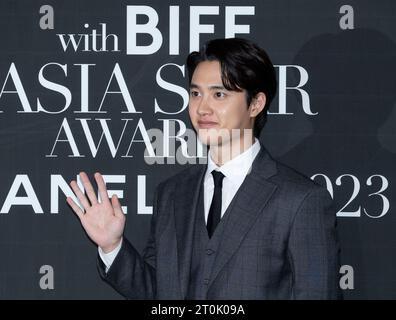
x: 257, y: 104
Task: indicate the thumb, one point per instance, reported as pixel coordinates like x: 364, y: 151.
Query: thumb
x: 116, y: 206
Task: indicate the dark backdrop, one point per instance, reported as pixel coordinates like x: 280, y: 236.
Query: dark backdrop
x: 338, y: 128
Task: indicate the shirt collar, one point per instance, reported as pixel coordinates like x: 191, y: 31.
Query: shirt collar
x: 236, y: 167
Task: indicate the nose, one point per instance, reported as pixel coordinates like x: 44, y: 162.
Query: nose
x: 204, y: 107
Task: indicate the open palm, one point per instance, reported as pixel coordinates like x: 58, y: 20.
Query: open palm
x: 103, y: 221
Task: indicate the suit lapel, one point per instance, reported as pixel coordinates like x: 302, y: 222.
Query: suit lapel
x: 247, y: 205
x: 186, y: 204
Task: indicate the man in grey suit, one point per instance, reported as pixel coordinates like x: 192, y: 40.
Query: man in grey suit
x: 241, y: 227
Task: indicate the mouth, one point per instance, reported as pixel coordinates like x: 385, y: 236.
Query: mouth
x: 207, y: 124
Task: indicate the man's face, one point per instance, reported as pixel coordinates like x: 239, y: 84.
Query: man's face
x: 215, y: 111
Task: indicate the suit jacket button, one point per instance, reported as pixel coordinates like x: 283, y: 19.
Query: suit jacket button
x: 209, y: 252
x: 206, y: 281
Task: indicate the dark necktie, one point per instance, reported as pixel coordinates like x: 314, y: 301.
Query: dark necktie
x: 215, y: 207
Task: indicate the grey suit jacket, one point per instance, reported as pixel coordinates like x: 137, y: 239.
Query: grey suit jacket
x: 279, y: 241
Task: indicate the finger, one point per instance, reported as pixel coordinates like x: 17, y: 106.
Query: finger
x: 88, y: 188
x: 102, y: 187
x: 117, y: 206
x: 81, y: 196
x: 77, y: 210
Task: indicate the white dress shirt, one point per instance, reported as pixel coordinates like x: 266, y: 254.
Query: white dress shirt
x: 234, y: 172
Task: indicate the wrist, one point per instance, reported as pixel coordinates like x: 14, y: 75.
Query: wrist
x: 109, y: 248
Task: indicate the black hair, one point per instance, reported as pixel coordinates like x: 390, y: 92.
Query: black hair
x: 244, y: 66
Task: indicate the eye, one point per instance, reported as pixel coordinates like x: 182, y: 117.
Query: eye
x: 220, y: 94
x: 194, y: 93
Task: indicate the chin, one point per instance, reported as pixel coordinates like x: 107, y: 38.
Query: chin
x: 212, y: 137
x: 205, y: 139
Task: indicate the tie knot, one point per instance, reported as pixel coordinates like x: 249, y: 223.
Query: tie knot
x: 218, y: 178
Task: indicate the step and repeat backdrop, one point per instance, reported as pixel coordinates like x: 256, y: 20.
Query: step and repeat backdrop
x: 88, y: 85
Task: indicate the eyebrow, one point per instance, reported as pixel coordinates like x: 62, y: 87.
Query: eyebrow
x: 213, y: 87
